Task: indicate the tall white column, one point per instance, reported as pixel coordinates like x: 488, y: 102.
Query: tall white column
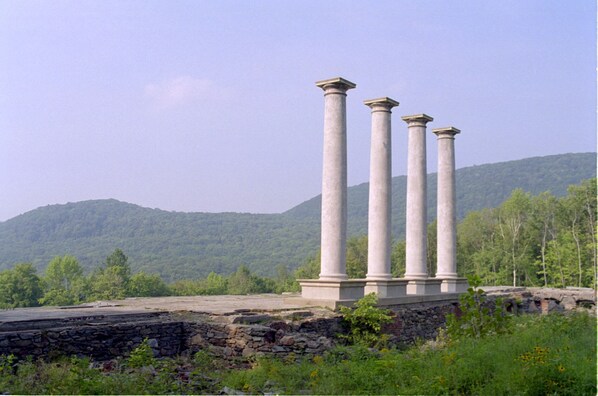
x: 446, y: 204
x: 416, y: 216
x: 334, y: 179
x: 379, y: 213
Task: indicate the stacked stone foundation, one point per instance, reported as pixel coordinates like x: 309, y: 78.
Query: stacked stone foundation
x: 302, y: 333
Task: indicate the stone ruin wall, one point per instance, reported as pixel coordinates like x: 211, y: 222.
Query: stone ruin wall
x: 248, y: 333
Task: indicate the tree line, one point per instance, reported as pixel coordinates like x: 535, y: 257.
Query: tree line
x: 64, y: 283
x: 540, y: 240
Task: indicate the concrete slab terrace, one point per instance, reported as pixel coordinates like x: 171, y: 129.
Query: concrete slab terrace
x: 132, y: 309
x: 214, y: 305
x: 236, y: 305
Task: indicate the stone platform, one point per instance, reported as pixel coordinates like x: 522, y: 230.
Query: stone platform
x: 236, y: 326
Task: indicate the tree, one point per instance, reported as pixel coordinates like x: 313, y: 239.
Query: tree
x: 311, y: 268
x: 20, y: 287
x: 478, y: 251
x: 397, y: 259
x: 432, y: 248
x: 513, y: 220
x: 215, y: 284
x: 147, y: 285
x: 112, y: 281
x: 64, y: 282
x: 108, y: 284
x: 357, y: 257
x: 581, y: 208
x: 119, y: 261
x: 241, y: 282
x: 285, y: 281
x: 546, y: 207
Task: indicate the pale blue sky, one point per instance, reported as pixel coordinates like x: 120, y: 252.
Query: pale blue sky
x: 211, y: 105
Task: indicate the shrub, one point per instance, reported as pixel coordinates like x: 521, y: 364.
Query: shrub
x: 365, y: 322
x: 141, y: 356
x: 476, y: 319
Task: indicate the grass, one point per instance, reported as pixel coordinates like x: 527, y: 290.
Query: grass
x: 552, y: 354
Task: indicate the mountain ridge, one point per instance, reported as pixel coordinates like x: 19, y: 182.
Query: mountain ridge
x: 188, y: 245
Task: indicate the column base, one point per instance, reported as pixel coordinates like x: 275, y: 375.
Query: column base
x: 424, y: 286
x: 454, y: 285
x: 388, y: 288
x: 332, y: 290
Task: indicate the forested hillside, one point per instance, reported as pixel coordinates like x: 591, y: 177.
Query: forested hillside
x: 175, y: 245
x: 191, y: 245
x: 478, y: 187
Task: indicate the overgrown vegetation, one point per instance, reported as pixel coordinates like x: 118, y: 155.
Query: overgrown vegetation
x: 365, y: 322
x: 140, y: 373
x: 545, y: 354
x: 476, y: 318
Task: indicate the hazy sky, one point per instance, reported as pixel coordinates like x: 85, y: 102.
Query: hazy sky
x: 211, y: 106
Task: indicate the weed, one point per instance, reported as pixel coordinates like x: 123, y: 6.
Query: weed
x: 476, y: 319
x: 141, y: 356
x: 365, y: 322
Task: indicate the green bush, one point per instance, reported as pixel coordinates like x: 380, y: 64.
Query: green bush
x: 141, y: 356
x: 365, y: 322
x: 476, y: 319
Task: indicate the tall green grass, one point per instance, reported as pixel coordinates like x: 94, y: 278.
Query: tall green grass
x: 554, y: 354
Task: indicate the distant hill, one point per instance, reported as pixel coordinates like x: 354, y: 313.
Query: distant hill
x: 478, y: 187
x: 190, y: 245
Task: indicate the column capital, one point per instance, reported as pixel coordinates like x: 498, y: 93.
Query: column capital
x: 335, y: 85
x: 381, y: 104
x: 446, y: 132
x: 417, y: 119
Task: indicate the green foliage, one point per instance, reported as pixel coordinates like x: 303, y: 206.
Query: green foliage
x: 365, y: 322
x: 533, y: 241
x: 546, y: 354
x: 108, y: 284
x: 310, y: 269
x: 147, y: 285
x: 357, y: 257
x: 20, y: 287
x: 494, y: 365
x: 397, y: 259
x: 112, y: 281
x: 141, y: 356
x: 285, y: 281
x: 191, y: 245
x: 476, y: 319
x: 244, y: 282
x: 119, y: 263
x: 64, y: 282
x: 7, y: 365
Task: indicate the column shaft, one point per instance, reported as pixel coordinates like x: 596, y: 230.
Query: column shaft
x: 379, y: 212
x: 416, y: 216
x: 334, y: 180
x: 446, y: 204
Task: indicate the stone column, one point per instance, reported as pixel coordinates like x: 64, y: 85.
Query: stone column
x: 334, y: 179
x: 416, y: 217
x: 379, y: 215
x: 333, y: 284
x: 379, y: 279
x: 447, y: 212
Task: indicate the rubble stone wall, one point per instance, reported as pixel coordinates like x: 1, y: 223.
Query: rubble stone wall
x: 251, y: 333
